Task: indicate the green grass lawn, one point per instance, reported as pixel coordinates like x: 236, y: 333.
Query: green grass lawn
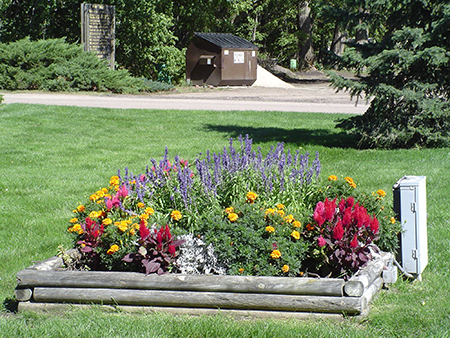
x: 52, y: 158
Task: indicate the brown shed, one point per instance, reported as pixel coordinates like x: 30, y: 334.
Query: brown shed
x: 221, y: 59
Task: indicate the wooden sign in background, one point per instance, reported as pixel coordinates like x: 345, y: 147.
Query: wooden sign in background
x: 98, y: 30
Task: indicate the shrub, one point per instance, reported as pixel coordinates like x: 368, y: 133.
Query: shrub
x: 54, y: 65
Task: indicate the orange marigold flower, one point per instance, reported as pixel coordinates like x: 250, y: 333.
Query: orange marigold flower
x: 93, y: 197
x: 348, y: 179
x: 81, y: 208
x: 140, y: 205
x: 295, y: 234
x: 123, y: 226
x: 94, y: 214
x: 289, y: 219
x: 280, y: 212
x: 381, y: 193
x: 353, y: 185
x: 269, y: 211
x: 241, y: 270
x: 309, y: 227
x: 132, y: 232
x: 270, y: 229
x: 232, y: 216
x: 143, y: 216
x: 297, y: 224
x: 149, y: 211
x: 112, y: 249
x: 107, y: 221
x: 176, y: 215
x: 114, y: 180
x: 280, y: 206
x: 332, y: 178
x: 229, y: 210
x: 74, y: 220
x: 392, y: 220
x: 275, y: 254
x: 251, y: 197
x: 285, y: 268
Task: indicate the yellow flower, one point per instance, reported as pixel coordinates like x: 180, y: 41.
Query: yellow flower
x: 269, y: 211
x: 143, y: 217
x: 296, y: 224
x: 94, y: 214
x: 295, y: 234
x: 275, y: 254
x: 93, y: 197
x: 392, y: 220
x: 114, y: 181
x: 132, y: 232
x: 176, y: 215
x: 381, y: 193
x: 353, y: 185
x: 76, y: 228
x: 348, y: 179
x: 285, y: 268
x: 123, y: 226
x: 270, y: 229
x: 140, y: 205
x: 280, y: 212
x: 280, y: 206
x: 149, y: 211
x: 241, y: 270
x: 289, y: 219
x: 74, y: 220
x: 229, y: 210
x: 81, y: 208
x: 233, y: 217
x: 112, y: 249
x: 332, y: 178
x: 107, y: 221
x: 251, y: 196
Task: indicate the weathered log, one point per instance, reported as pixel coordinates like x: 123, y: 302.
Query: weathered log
x: 241, y: 314
x: 222, y: 283
x: 23, y: 295
x: 356, y: 286
x: 222, y: 300
x: 54, y: 262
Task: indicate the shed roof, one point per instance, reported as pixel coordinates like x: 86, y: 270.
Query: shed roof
x: 226, y: 40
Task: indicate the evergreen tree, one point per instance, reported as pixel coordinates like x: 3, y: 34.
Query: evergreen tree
x: 406, y: 74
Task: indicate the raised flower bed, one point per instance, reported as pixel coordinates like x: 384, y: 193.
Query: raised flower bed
x: 234, y: 231
x: 47, y: 286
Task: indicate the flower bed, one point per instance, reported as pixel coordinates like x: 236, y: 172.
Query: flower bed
x: 46, y: 286
x: 241, y: 217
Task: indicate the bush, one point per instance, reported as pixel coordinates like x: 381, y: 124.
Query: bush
x: 251, y: 215
x: 54, y: 65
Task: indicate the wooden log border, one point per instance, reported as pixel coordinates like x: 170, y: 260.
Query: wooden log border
x: 46, y: 285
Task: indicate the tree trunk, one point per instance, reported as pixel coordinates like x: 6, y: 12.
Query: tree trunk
x: 339, y: 38
x: 305, y: 24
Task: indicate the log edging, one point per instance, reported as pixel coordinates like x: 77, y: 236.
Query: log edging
x: 45, y: 285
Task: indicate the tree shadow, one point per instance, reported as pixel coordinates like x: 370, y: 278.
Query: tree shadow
x: 11, y: 305
x: 299, y: 136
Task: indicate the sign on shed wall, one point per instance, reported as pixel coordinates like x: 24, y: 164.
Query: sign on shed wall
x: 98, y: 30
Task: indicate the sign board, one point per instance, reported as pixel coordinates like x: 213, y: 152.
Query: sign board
x: 239, y: 57
x: 98, y: 30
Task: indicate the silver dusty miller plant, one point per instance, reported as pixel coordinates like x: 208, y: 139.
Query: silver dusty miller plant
x: 196, y: 257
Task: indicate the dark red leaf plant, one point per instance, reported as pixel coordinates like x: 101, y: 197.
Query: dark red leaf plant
x: 345, y: 232
x: 157, y: 250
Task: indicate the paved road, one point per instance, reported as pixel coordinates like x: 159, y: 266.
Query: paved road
x: 301, y: 98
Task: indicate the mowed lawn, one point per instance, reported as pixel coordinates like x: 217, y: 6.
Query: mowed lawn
x: 52, y: 158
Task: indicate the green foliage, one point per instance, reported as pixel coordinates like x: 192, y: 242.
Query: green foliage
x: 54, y: 65
x: 407, y: 74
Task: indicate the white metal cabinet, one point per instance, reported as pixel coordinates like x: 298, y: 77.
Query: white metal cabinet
x: 410, y: 204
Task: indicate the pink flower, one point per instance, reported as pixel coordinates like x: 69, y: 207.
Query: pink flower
x: 123, y: 192
x: 109, y: 203
x: 319, y: 213
x: 321, y: 241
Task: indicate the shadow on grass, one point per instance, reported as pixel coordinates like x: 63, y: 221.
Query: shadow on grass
x: 299, y: 137
x: 11, y: 305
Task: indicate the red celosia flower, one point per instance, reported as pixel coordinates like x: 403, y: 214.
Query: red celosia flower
x: 319, y: 213
x: 144, y: 232
x: 354, y: 242
x: 338, y: 231
x: 374, y: 225
x: 330, y: 209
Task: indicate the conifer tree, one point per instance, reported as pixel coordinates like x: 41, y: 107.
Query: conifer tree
x: 406, y: 74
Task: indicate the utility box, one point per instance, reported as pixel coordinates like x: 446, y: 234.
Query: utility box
x: 410, y: 204
x: 221, y: 59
